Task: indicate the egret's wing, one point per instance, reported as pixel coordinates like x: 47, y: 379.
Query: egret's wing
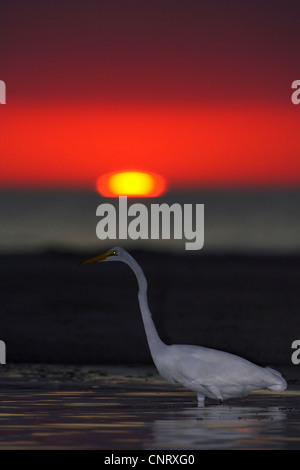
x: 199, y: 381
x: 215, y: 371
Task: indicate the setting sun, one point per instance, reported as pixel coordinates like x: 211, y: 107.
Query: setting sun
x: 131, y: 183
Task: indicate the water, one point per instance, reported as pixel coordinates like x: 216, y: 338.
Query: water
x: 96, y: 407
x: 234, y: 220
x: 119, y: 408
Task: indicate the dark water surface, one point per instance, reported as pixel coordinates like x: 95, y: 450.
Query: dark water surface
x: 235, y: 220
x: 118, y: 408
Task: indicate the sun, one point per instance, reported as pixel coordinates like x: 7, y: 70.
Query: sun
x: 131, y: 183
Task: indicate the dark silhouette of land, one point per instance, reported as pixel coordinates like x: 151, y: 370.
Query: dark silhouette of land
x: 55, y: 311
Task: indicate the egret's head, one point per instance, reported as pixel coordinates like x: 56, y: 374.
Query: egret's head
x: 114, y: 254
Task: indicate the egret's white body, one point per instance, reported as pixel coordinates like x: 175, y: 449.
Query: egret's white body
x: 208, y: 372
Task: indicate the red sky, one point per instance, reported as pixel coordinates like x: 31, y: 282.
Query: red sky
x: 199, y: 92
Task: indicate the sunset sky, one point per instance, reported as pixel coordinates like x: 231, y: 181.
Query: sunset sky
x: 197, y: 91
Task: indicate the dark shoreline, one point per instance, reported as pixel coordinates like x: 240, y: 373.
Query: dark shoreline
x: 54, y: 311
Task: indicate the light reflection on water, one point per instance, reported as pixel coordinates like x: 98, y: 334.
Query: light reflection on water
x: 220, y: 427
x: 89, y: 409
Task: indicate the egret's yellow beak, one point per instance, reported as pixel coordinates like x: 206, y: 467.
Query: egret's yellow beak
x: 101, y: 257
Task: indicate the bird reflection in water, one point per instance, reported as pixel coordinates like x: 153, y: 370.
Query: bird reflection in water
x: 221, y: 427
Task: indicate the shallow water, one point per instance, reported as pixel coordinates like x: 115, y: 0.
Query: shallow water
x: 56, y: 407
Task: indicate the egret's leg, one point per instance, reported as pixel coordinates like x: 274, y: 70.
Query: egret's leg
x: 200, y: 399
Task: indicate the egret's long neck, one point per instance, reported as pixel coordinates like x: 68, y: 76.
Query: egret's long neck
x: 154, y: 341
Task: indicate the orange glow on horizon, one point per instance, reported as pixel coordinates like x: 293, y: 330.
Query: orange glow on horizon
x: 131, y: 184
x: 191, y: 146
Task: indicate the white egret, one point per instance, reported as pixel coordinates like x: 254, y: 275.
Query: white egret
x: 208, y: 372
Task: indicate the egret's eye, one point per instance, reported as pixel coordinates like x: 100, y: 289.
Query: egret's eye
x: 114, y: 253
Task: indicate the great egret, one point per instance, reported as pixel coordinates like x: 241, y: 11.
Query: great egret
x: 208, y: 372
